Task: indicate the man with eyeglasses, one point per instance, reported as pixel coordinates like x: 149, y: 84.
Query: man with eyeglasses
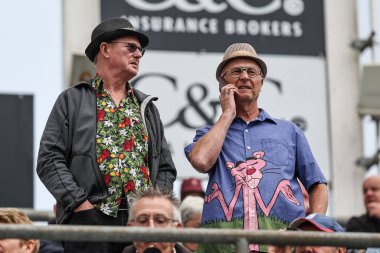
x: 155, y: 209
x: 104, y: 139
x: 252, y: 159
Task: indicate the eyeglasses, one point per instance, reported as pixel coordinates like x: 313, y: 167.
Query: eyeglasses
x: 238, y: 71
x: 130, y: 46
x: 159, y: 220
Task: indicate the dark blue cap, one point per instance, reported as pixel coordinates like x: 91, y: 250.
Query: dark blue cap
x: 320, y: 221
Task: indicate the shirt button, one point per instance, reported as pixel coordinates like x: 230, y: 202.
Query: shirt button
x: 248, y: 147
x: 246, y: 130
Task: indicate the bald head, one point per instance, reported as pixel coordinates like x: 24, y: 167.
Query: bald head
x: 371, y: 192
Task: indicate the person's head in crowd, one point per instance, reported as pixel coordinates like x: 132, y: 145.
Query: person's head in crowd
x: 15, y: 216
x: 154, y: 208
x: 317, y: 222
x: 191, y: 186
x: 191, y: 213
x: 371, y: 192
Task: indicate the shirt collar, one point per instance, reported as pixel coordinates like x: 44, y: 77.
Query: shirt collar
x: 97, y: 85
x: 263, y: 116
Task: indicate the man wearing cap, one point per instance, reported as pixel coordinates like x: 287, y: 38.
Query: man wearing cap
x: 253, y: 160
x: 313, y: 222
x: 191, y: 187
x: 104, y: 139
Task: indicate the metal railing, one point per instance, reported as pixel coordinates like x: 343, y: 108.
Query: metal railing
x: 37, y: 215
x: 241, y: 238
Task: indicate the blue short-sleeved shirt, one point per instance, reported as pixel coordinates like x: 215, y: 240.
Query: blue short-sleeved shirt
x: 254, y: 184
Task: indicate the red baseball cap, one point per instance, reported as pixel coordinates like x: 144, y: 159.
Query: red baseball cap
x: 191, y: 186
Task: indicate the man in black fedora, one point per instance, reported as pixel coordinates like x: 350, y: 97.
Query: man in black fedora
x: 104, y: 139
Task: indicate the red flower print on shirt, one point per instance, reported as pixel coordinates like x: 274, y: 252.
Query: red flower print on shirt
x: 128, y: 145
x: 101, y: 115
x: 107, y: 179
x: 105, y: 154
x: 144, y: 170
x: 130, y: 186
x: 127, y: 121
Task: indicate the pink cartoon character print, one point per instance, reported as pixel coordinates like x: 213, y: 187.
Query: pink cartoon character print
x: 247, y: 176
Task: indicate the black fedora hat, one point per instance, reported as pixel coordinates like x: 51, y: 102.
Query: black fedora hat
x: 112, y: 29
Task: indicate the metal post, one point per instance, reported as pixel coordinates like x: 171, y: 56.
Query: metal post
x: 373, y: 12
x: 238, y: 237
x: 242, y: 246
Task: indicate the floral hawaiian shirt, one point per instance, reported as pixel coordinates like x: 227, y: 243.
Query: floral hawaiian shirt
x: 121, y: 146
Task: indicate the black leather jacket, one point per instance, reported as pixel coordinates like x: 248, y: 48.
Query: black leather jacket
x: 67, y: 156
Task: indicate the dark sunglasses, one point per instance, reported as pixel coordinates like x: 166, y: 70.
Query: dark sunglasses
x: 130, y: 46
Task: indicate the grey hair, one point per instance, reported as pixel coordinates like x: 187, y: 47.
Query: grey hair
x: 191, y: 206
x: 371, y: 173
x: 155, y: 193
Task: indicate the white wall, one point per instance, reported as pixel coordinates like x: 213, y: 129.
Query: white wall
x: 80, y: 18
x: 32, y: 63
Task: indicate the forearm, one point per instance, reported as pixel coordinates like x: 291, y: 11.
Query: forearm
x: 318, y: 198
x: 206, y: 151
